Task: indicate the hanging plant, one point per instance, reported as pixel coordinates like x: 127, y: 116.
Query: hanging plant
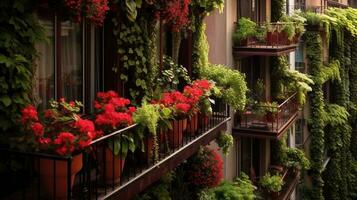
x: 93, y: 10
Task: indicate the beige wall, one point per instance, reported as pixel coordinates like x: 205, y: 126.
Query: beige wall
x: 314, y: 3
x: 220, y: 27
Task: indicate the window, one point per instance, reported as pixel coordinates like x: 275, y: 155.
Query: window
x: 299, y: 58
x: 69, y: 64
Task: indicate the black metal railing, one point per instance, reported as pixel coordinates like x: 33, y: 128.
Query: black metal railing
x: 102, y: 168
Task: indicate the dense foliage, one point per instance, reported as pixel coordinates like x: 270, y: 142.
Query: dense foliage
x: 20, y: 30
x: 231, y: 82
x: 316, y: 125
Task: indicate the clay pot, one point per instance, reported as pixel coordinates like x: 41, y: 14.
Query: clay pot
x: 192, y: 125
x: 202, y: 120
x: 113, y: 164
x: 58, y: 178
x: 176, y: 134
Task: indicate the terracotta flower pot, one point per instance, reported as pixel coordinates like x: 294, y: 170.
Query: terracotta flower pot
x: 192, y: 125
x: 147, y: 156
x: 58, y: 178
x: 175, y: 136
x: 113, y: 164
x: 202, y: 120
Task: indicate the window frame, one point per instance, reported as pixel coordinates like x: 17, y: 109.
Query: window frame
x: 89, y: 51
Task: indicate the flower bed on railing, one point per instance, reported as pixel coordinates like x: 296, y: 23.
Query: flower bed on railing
x: 74, y: 156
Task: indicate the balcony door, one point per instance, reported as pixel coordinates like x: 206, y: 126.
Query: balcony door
x: 253, y: 9
x: 249, y: 156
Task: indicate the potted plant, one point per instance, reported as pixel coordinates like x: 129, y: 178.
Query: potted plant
x: 113, y: 113
x: 272, y: 36
x: 180, y: 107
x: 271, y: 108
x: 296, y: 159
x: 198, y: 93
x: 60, y: 130
x: 148, y: 117
x: 245, y: 32
x: 272, y: 184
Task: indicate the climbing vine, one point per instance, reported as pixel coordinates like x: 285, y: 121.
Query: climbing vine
x: 316, y: 125
x: 200, y: 9
x: 136, y: 40
x: 20, y: 30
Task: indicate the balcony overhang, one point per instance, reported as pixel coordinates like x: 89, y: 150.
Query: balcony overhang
x: 331, y: 3
x: 263, y: 50
x: 154, y: 173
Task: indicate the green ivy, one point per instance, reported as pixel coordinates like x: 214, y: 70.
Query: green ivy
x: 20, y: 30
x: 139, y: 66
x: 316, y: 125
x: 198, y: 10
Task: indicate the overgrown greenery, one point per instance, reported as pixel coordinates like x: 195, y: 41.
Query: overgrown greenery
x: 272, y: 183
x: 230, y: 82
x: 225, y: 142
x: 199, y: 10
x: 316, y: 125
x: 240, y: 188
x: 288, y: 81
x: 20, y: 30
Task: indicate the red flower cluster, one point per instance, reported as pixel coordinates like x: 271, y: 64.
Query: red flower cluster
x: 94, y: 10
x: 48, y: 134
x: 175, y: 13
x: 205, y: 170
x: 113, y: 111
x: 29, y: 113
x: 186, y: 103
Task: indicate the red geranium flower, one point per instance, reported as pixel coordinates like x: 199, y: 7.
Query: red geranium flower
x: 29, y: 113
x: 65, y: 143
x: 37, y: 129
x: 183, y: 107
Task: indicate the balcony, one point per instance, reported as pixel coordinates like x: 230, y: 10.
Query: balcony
x: 272, y: 41
x: 103, y: 175
x: 270, y: 124
x: 291, y: 179
x: 335, y: 3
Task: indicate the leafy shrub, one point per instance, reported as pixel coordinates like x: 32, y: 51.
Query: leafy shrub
x: 296, y: 158
x: 272, y: 183
x: 205, y: 168
x: 225, y: 142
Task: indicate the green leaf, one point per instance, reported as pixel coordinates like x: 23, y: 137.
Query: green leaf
x: 5, y: 100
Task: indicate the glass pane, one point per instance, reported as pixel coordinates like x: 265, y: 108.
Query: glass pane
x: 44, y: 88
x: 71, y: 61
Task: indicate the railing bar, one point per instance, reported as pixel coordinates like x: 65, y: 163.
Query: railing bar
x: 69, y: 171
x: 165, y: 159
x: 113, y: 134
x: 54, y: 179
x: 39, y: 179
